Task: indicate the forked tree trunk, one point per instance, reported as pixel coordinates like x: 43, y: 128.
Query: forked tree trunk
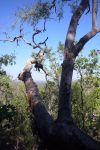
x: 62, y: 134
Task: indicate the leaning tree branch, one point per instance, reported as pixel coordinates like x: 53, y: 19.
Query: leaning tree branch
x: 79, y: 46
x: 53, y: 5
x: 88, y: 8
x: 42, y: 117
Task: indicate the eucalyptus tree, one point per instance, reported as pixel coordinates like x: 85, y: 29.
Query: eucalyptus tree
x: 61, y: 133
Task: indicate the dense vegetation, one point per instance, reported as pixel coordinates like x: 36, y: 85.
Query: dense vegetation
x: 15, y: 124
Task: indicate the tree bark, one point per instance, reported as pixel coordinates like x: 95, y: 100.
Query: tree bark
x: 42, y: 117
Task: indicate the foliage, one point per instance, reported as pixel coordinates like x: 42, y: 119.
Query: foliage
x: 50, y: 91
x: 6, y: 60
x: 45, y: 10
x: 85, y: 91
x: 50, y: 97
x: 9, y: 121
x: 86, y: 94
x: 14, y: 116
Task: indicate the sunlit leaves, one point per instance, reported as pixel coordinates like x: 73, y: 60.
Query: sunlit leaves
x: 14, y: 115
x: 39, y: 10
x: 88, y: 85
x: 6, y: 60
x: 44, y: 10
x: 88, y: 65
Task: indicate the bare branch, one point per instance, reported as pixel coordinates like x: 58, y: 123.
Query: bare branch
x: 33, y: 44
x: 37, y: 31
x: 88, y: 8
x: 29, y: 43
x: 84, y: 40
x: 44, y: 42
x: 91, y: 34
x: 17, y: 38
x: 53, y: 5
x: 21, y: 29
x: 74, y: 22
x: 94, y: 14
x: 37, y: 45
x: 5, y: 33
x: 12, y: 40
x: 44, y: 29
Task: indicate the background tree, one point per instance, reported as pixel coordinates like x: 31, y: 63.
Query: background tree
x: 87, y: 68
x: 14, y: 118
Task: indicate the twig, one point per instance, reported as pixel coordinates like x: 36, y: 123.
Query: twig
x: 44, y: 42
x: 12, y: 40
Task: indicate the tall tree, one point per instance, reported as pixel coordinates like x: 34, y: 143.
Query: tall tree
x: 61, y: 133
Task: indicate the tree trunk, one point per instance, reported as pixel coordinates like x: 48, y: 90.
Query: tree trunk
x: 62, y: 134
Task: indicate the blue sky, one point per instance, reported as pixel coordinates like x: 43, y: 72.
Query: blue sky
x: 56, y: 31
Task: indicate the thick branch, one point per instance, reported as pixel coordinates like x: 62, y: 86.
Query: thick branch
x: 42, y: 117
x: 94, y: 14
x: 74, y: 23
x: 84, y: 40
x: 64, y: 112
